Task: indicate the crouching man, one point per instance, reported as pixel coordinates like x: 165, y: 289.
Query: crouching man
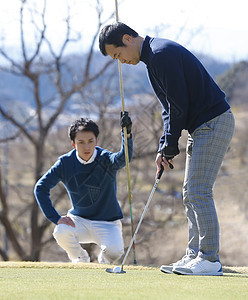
x: 89, y: 174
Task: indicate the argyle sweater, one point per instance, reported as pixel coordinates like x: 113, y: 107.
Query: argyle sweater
x: 91, y: 187
x: 187, y: 93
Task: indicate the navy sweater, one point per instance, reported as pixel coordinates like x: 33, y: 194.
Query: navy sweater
x: 187, y: 93
x: 91, y: 187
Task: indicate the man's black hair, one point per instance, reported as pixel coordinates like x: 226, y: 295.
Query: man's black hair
x: 112, y: 35
x: 83, y: 124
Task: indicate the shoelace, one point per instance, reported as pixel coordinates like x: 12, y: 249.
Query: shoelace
x: 194, y: 262
x: 183, y: 259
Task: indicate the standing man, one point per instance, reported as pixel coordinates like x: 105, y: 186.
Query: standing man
x: 190, y: 100
x: 88, y: 173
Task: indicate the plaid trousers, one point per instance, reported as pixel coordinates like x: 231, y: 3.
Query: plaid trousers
x: 206, y: 149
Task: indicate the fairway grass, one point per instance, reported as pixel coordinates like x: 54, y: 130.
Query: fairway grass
x: 28, y: 280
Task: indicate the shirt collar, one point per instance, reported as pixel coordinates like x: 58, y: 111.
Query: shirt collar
x: 84, y: 162
x: 145, y: 50
x: 141, y: 46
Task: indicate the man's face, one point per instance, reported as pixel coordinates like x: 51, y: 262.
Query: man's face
x: 128, y: 54
x: 85, y: 143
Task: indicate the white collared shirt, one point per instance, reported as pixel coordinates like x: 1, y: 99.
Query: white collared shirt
x: 84, y: 162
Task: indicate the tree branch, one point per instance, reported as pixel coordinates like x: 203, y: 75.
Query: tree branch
x: 10, y: 118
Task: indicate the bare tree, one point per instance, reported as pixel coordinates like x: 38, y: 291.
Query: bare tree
x: 35, y: 127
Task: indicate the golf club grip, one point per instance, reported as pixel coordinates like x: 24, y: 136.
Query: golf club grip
x: 170, y: 164
x: 161, y: 171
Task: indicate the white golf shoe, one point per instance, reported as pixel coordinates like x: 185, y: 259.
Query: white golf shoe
x: 199, y: 266
x: 102, y: 259
x: 83, y: 258
x: 180, y: 263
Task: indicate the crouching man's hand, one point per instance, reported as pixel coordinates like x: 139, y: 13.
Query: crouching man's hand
x: 126, y: 121
x: 66, y: 220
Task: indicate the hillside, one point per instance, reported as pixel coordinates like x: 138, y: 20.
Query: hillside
x: 234, y: 83
x: 136, y: 81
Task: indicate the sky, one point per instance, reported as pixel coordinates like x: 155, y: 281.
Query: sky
x: 215, y: 27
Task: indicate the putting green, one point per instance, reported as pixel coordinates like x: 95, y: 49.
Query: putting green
x: 28, y: 280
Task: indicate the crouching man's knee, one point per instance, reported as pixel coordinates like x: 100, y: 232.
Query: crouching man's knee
x: 62, y: 231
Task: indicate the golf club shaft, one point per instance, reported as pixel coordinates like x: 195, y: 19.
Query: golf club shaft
x: 142, y: 216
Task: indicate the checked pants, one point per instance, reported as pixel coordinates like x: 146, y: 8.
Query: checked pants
x: 206, y: 149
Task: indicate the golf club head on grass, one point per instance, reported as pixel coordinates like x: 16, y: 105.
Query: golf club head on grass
x: 116, y: 270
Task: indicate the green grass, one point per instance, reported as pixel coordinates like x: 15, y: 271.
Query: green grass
x: 90, y: 281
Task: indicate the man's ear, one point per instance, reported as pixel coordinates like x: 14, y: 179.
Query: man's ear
x: 127, y: 39
x: 73, y: 145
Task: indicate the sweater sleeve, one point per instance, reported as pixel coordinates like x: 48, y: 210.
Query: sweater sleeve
x: 42, y: 191
x: 168, y: 71
x: 118, y: 158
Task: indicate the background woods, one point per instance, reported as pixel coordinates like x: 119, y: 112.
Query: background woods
x: 33, y: 124
x: 44, y: 89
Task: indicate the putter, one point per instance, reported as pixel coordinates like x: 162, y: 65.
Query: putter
x: 119, y: 270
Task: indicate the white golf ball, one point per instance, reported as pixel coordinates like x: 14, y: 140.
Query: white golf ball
x: 117, y: 269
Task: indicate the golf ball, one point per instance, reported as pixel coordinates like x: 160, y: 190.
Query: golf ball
x: 117, y: 269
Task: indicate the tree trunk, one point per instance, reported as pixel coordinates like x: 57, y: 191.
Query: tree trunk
x: 36, y: 234
x: 12, y: 236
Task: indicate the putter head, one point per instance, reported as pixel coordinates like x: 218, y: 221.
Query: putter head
x: 115, y: 270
